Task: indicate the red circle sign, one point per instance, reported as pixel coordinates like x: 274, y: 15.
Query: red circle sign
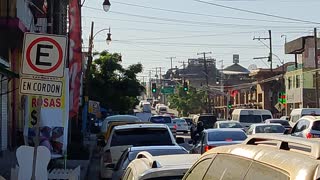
x: 53, y: 68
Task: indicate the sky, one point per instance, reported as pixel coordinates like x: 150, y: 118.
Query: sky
x: 151, y: 31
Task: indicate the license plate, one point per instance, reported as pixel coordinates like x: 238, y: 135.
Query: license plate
x: 316, y: 136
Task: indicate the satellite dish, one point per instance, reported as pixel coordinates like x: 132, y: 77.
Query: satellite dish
x: 252, y: 67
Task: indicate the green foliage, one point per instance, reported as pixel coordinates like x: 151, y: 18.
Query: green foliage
x: 112, y: 85
x: 190, y: 102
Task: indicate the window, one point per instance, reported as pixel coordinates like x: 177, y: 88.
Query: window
x: 300, y: 126
x: 316, y: 126
x: 223, y: 136
x: 297, y: 81
x: 270, y: 129
x: 250, y: 119
x: 141, y: 137
x: 265, y: 117
x: 289, y: 82
x: 226, y: 167
x: 160, y: 119
x: 198, y: 171
x: 265, y: 172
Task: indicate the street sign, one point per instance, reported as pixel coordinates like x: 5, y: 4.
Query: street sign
x: 41, y: 87
x: 44, y: 55
x: 167, y: 90
x: 94, y: 107
x: 279, y: 106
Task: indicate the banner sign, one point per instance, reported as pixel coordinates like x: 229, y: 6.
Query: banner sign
x: 53, y: 120
x: 75, y: 56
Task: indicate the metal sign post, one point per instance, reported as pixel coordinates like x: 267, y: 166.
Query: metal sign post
x: 36, y: 120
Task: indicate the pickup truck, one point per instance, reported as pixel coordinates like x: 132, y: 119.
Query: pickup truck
x: 160, y: 119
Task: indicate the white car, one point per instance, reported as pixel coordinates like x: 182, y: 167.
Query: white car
x: 274, y: 128
x: 181, y: 125
x: 125, y: 136
x: 146, y: 166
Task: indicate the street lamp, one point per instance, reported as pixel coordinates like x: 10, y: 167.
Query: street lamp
x: 106, y: 5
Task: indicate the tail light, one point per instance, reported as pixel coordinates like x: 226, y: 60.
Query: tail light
x: 207, y: 148
x: 107, y: 159
x: 309, y: 135
x: 175, y: 126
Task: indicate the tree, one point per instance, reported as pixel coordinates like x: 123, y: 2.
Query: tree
x: 112, y: 85
x: 190, y: 102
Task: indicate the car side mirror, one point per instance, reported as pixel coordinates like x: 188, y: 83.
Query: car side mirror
x: 180, y: 140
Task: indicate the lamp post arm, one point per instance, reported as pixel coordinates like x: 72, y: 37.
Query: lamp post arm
x: 100, y: 31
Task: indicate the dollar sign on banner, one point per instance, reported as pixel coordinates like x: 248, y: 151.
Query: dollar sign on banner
x: 34, y: 120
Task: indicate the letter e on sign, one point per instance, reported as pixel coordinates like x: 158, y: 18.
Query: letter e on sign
x: 44, y: 55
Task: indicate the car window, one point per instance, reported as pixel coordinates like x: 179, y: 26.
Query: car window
x: 230, y: 125
x: 160, y: 119
x: 198, y: 171
x: 300, y: 126
x: 122, y: 158
x: 250, y: 119
x: 270, y: 129
x: 265, y: 172
x: 225, y: 167
x: 316, y: 126
x: 141, y: 137
x: 227, y: 136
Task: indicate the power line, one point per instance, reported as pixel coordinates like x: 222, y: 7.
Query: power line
x: 254, y: 12
x: 200, y: 14
x: 198, y: 22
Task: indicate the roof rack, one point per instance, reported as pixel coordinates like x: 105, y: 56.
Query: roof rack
x: 313, y: 146
x: 152, y: 163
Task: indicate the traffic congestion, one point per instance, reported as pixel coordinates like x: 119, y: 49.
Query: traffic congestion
x: 251, y: 145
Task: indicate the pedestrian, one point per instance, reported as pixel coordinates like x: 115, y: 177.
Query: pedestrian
x: 198, y: 132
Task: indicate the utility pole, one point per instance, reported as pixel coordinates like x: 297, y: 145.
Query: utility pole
x: 316, y: 65
x: 171, y: 58
x: 270, y: 47
x: 184, y: 67
x: 207, y: 79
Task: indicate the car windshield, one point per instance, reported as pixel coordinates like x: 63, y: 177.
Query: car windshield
x: 158, y: 152
x: 270, y: 129
x: 227, y: 136
x: 208, y: 121
x: 179, y: 121
x: 160, y: 119
x: 250, y: 118
x: 316, y: 126
x: 230, y: 125
x: 141, y: 137
x: 283, y: 123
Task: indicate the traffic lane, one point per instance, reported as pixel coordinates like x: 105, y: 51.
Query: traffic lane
x: 186, y: 138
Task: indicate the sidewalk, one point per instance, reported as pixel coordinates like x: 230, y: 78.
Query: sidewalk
x: 8, y: 160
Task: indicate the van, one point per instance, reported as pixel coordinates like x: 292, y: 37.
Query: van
x: 250, y: 116
x: 296, y: 114
x: 146, y: 107
x: 162, y: 109
x: 208, y: 120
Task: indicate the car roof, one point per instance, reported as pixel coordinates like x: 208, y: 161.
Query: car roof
x: 131, y: 126
x: 141, y: 148
x: 219, y: 122
x: 263, y: 124
x: 122, y: 117
x: 311, y: 118
x: 293, y: 161
x: 224, y: 130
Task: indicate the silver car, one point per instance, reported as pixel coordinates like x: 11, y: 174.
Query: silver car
x: 212, y: 138
x: 307, y: 127
x: 181, y: 125
x: 274, y: 128
x: 131, y: 153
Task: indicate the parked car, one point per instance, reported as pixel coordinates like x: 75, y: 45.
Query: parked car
x: 262, y: 156
x: 162, y: 119
x: 228, y: 124
x: 125, y: 136
x: 266, y: 128
x: 212, y: 138
x: 181, y: 124
x: 296, y: 114
x: 131, y: 153
x: 307, y: 127
x: 169, y: 167
x: 283, y: 122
